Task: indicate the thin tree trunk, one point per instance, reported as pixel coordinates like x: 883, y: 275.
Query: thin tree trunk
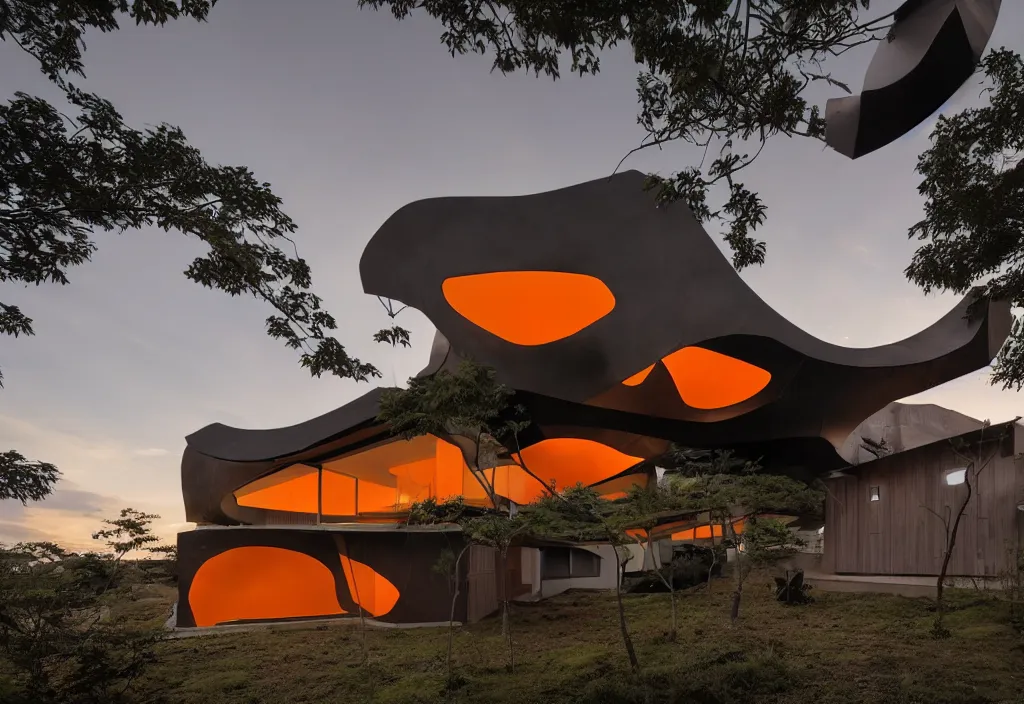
x: 950, y: 545
x: 668, y: 581
x: 737, y: 595
x: 506, y: 631
x: 626, y: 639
x: 451, y: 614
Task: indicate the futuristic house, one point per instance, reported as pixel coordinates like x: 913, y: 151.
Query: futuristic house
x: 622, y: 328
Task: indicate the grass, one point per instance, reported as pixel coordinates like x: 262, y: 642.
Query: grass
x: 842, y: 648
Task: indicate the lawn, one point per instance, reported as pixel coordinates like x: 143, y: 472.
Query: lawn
x: 842, y: 648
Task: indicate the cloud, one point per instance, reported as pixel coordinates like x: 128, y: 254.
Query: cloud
x: 152, y: 452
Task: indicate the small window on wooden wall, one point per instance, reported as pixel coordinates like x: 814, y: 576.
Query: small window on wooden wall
x: 874, y: 495
x: 955, y: 477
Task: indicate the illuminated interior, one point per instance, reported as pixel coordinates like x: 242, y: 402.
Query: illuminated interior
x: 261, y: 583
x: 569, y: 461
x: 529, y: 307
x: 371, y: 591
x: 619, y: 487
x: 387, y: 478
x: 706, y: 532
x: 708, y: 380
x: 639, y: 377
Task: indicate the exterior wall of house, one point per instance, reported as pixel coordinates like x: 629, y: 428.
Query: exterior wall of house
x: 642, y: 560
x: 900, y: 533
x: 605, y: 580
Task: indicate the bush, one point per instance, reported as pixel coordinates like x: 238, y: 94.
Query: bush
x: 55, y: 643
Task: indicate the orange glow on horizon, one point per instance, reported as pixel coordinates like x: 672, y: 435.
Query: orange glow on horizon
x: 529, y: 307
x: 571, y: 461
x: 257, y: 582
x: 709, y: 380
x: 373, y: 592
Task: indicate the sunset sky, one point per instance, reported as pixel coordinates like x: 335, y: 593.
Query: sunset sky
x: 350, y: 115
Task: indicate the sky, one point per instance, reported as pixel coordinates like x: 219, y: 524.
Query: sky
x: 350, y: 115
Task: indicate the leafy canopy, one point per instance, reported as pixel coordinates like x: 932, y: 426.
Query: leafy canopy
x: 67, y: 172
x: 23, y: 480
x: 973, y: 225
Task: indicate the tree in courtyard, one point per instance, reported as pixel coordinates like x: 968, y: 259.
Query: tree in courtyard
x: 637, y: 515
x: 492, y: 529
x: 977, y: 455
x: 68, y: 171
x: 734, y: 491
x: 467, y: 402
x: 580, y: 514
x: 726, y: 76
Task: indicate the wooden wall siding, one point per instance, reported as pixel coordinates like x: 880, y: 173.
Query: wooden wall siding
x: 896, y: 535
x: 482, y: 589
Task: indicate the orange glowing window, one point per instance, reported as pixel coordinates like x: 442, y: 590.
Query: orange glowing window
x: 415, y: 480
x: 339, y: 495
x: 516, y: 485
x: 376, y: 498
x: 529, y: 307
x: 708, y: 380
x: 620, y: 487
x: 373, y: 592
x: 255, y: 582
x: 639, y: 377
x: 705, y: 532
x: 571, y: 461
x: 292, y: 489
x: 451, y: 471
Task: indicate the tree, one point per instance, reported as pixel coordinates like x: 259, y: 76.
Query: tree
x: 130, y: 531
x: 974, y: 189
x: 432, y: 512
x: 492, y: 529
x: 637, y: 515
x: 734, y: 491
x: 54, y: 642
x: 24, y: 480
x: 977, y: 455
x: 579, y: 513
x: 66, y: 173
x: 467, y: 402
x: 726, y: 76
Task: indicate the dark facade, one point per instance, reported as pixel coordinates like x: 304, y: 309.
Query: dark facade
x: 621, y: 328
x: 231, y: 575
x: 898, y: 533
x: 934, y: 47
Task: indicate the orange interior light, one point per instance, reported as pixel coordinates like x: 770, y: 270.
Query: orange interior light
x: 529, y: 307
x: 708, y: 380
x: 571, y: 461
x: 639, y: 377
x: 371, y: 591
x: 256, y: 582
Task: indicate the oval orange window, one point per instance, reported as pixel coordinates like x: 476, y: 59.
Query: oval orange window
x: 529, y: 307
x: 254, y: 582
x: 571, y: 461
x: 708, y: 380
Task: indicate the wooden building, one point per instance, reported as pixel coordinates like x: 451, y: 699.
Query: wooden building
x: 887, y: 516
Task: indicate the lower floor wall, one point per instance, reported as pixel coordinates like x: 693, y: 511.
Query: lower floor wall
x: 233, y: 575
